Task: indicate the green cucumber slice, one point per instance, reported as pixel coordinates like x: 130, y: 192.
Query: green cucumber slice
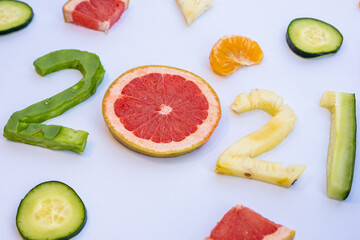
x: 342, y: 146
x: 309, y: 37
x: 14, y: 15
x: 51, y: 210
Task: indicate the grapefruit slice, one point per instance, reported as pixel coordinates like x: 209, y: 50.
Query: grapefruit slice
x: 94, y: 14
x: 161, y: 111
x: 245, y: 224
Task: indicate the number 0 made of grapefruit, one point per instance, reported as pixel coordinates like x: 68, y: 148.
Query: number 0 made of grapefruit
x: 161, y: 111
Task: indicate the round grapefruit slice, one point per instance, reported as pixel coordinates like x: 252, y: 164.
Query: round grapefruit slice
x: 161, y: 111
x: 95, y: 14
x: 243, y: 223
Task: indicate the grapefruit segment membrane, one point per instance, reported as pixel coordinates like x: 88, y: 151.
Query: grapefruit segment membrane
x: 99, y: 15
x: 243, y: 223
x: 161, y: 111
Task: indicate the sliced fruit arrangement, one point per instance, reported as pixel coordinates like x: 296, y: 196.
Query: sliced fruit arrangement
x: 192, y: 9
x: 309, y: 37
x: 243, y: 223
x: 14, y: 15
x: 161, y: 111
x: 25, y: 125
x: 240, y: 158
x: 342, y: 145
x: 95, y: 14
x: 231, y: 52
x: 51, y: 210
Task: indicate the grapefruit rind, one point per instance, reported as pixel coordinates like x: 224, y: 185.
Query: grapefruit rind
x: 70, y: 6
x: 148, y: 147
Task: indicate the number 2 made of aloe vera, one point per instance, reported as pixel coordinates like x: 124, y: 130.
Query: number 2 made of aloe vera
x: 26, y: 125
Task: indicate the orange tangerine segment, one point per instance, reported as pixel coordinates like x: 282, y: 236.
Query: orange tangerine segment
x: 231, y: 52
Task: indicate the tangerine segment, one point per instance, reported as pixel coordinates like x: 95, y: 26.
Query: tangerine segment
x: 161, y: 111
x: 231, y: 52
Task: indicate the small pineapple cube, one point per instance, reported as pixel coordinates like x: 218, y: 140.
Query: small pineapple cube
x: 192, y: 9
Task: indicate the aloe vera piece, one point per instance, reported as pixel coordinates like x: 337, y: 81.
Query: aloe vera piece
x: 26, y: 125
x: 342, y: 145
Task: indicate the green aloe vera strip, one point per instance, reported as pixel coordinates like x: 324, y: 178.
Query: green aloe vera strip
x: 26, y: 125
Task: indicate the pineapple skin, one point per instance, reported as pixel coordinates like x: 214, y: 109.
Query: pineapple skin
x: 240, y: 158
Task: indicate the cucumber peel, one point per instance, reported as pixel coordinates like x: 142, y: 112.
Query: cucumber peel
x: 342, y: 145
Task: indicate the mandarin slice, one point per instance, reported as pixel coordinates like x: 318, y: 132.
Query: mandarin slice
x: 231, y: 52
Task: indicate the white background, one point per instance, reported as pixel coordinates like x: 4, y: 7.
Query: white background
x: 131, y: 196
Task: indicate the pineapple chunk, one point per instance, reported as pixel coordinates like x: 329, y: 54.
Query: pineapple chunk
x: 265, y: 100
x: 253, y: 168
x: 192, y: 9
x: 240, y: 158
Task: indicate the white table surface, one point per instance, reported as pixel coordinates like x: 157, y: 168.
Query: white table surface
x: 131, y: 196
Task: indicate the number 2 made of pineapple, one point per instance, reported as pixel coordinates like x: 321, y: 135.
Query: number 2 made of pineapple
x: 240, y: 158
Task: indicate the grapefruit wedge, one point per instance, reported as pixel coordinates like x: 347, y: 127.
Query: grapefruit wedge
x: 161, y: 111
x: 94, y: 14
x: 242, y: 223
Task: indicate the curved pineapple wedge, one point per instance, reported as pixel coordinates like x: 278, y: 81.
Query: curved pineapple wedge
x: 270, y: 172
x: 240, y: 158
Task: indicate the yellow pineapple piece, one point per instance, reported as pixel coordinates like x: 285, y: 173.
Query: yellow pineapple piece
x: 265, y: 100
x: 266, y: 171
x: 240, y: 158
x: 192, y: 9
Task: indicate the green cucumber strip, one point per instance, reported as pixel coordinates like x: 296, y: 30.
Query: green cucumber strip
x: 25, y: 125
x: 51, y: 210
x: 309, y: 37
x: 14, y: 15
x: 342, y: 145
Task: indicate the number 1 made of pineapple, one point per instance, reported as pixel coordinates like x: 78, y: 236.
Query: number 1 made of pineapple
x: 240, y: 158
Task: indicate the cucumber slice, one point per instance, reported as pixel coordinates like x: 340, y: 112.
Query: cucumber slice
x: 14, y: 15
x: 342, y: 146
x: 51, y: 210
x: 309, y: 37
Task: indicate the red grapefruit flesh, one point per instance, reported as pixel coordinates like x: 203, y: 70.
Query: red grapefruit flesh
x: 161, y: 111
x: 95, y: 14
x: 242, y: 223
